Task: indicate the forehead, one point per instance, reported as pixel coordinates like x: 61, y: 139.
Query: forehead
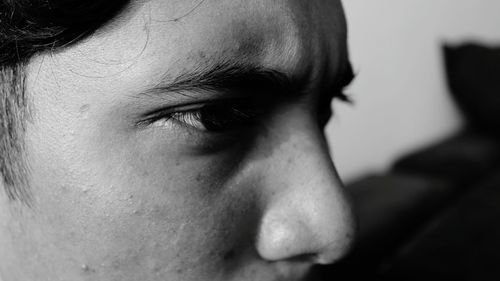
x: 157, y: 36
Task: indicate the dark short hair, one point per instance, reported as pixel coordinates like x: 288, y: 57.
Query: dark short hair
x: 27, y: 28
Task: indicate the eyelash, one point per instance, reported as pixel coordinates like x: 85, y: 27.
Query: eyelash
x: 225, y: 116
x: 212, y: 117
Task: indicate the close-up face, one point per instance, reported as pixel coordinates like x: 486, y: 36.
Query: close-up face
x: 184, y: 141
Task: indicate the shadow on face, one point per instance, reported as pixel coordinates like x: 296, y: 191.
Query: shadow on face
x: 185, y: 142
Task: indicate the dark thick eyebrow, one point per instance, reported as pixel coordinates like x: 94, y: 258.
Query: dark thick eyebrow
x: 239, y: 78
x: 230, y: 77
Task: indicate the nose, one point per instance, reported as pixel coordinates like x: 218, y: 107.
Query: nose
x: 306, y: 214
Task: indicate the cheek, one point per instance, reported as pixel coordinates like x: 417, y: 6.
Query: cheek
x: 144, y: 211
x: 183, y: 229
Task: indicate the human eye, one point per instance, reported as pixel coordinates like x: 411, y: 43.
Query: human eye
x: 218, y: 117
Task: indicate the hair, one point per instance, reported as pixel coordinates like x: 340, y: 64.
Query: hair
x: 28, y: 28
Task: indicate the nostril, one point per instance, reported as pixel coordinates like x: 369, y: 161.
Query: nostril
x: 307, y: 258
x: 338, y: 248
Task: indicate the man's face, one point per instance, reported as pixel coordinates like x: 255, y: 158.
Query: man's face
x: 183, y: 141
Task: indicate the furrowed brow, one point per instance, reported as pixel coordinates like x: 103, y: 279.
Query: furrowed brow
x: 230, y: 77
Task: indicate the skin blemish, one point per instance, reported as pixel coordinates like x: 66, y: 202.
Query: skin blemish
x: 84, y: 108
x: 85, y: 190
x: 247, y: 42
x: 87, y: 269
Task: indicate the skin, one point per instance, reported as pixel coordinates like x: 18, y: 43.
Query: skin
x: 117, y: 199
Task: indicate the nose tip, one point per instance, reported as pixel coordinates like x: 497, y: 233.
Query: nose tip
x: 317, y: 231
x: 307, y: 213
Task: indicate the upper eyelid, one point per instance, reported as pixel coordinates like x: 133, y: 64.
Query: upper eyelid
x: 183, y: 107
x: 153, y: 115
x: 156, y: 114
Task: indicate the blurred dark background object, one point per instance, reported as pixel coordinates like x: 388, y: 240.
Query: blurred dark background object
x: 436, y: 213
x: 473, y: 73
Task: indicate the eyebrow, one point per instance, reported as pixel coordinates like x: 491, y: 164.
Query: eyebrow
x: 242, y: 78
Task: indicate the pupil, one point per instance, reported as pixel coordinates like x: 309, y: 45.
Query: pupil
x: 223, y: 118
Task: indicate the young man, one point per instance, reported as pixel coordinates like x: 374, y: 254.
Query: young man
x: 170, y: 140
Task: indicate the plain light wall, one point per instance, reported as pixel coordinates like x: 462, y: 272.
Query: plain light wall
x: 401, y: 97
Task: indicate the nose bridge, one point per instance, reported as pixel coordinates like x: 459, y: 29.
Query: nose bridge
x: 307, y: 213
